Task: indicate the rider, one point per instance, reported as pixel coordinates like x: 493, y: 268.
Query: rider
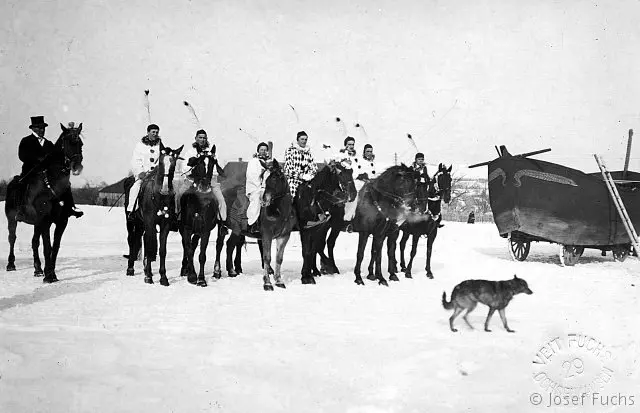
x: 143, y: 161
x: 256, y: 177
x: 33, y: 151
x: 182, y: 182
x: 299, y: 167
x: 419, y: 166
x: 364, y: 171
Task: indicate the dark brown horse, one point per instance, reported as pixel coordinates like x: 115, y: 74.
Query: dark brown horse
x: 199, y: 217
x: 382, y: 203
x: 277, y: 220
x: 427, y: 217
x: 48, y: 187
x: 156, y: 208
x: 325, y: 194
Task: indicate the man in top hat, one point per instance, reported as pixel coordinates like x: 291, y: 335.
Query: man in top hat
x: 33, y: 150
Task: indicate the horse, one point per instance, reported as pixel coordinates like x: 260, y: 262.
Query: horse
x: 325, y: 194
x: 156, y: 207
x: 429, y: 198
x: 277, y: 220
x: 46, y: 190
x: 233, y: 190
x: 382, y: 203
x: 199, y: 217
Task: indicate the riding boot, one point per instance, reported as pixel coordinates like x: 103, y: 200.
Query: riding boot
x: 67, y: 198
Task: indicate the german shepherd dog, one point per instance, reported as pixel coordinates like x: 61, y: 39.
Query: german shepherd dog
x: 494, y: 294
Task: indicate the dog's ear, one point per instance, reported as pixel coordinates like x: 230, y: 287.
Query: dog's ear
x: 515, y: 277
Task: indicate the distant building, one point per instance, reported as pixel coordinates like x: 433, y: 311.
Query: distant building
x: 112, y: 194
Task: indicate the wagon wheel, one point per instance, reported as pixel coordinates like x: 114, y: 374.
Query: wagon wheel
x: 570, y: 254
x: 519, y: 249
x: 620, y: 253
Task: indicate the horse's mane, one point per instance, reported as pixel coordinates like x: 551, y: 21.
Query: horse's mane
x: 393, y: 170
x: 323, y: 179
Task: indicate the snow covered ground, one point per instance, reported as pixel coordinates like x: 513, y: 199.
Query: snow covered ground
x: 99, y: 341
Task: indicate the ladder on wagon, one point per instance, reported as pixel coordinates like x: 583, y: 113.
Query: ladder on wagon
x: 615, y: 195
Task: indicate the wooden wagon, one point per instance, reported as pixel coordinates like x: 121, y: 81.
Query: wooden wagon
x: 534, y: 200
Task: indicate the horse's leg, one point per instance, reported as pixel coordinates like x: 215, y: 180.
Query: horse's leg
x: 11, y: 227
x: 317, y: 244
x: 379, y: 243
x: 150, y: 249
x: 231, y: 245
x: 430, y: 238
x: 35, y: 246
x: 164, y: 234
x: 237, y: 263
x: 306, y: 238
x: 414, y: 248
x: 331, y: 243
x: 204, y: 242
x: 362, y: 244
x: 57, y: 239
x: 403, y: 243
x: 281, y: 243
x: 185, y: 236
x: 195, y: 239
x: 392, y: 264
x: 371, y: 275
x: 49, y: 274
x: 266, y: 259
x: 217, y: 272
x: 133, y: 240
x: 322, y: 242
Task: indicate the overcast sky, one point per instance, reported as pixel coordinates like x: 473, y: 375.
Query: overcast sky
x: 460, y: 76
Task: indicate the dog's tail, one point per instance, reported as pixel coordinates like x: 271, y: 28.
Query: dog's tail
x: 445, y: 304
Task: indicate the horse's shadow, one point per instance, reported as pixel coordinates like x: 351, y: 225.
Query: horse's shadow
x: 49, y: 292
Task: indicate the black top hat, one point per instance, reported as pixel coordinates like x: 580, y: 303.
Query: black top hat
x: 38, y: 121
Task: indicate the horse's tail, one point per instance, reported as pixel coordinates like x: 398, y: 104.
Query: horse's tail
x: 448, y: 305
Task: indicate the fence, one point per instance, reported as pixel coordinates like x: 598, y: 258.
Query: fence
x: 464, y: 216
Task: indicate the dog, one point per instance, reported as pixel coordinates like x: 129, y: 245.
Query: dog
x: 494, y: 294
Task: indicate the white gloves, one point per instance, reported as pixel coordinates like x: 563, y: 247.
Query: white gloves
x: 306, y: 177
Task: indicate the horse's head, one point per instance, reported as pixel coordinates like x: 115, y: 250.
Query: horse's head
x: 398, y: 183
x: 276, y: 185
x: 70, y: 144
x: 442, y: 180
x: 344, y: 173
x: 166, y: 168
x: 202, y: 172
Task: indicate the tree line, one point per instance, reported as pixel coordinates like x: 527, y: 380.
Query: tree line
x: 85, y: 195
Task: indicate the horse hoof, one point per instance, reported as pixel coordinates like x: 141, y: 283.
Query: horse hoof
x: 38, y: 273
x: 231, y: 272
x: 217, y: 274
x: 281, y: 285
x: 407, y: 275
x: 202, y: 283
x: 308, y: 280
x: 430, y: 276
x: 383, y: 282
x: 359, y: 281
x: 130, y: 272
x: 184, y: 272
x: 11, y: 267
x: 403, y: 269
x: 393, y: 277
x: 371, y: 277
x: 50, y: 280
x: 268, y: 287
x: 148, y: 280
x: 192, y: 279
x: 164, y: 281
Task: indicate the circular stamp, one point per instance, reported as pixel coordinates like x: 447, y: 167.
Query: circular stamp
x: 573, y: 364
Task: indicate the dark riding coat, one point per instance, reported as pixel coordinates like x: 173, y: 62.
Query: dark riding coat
x: 31, y: 152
